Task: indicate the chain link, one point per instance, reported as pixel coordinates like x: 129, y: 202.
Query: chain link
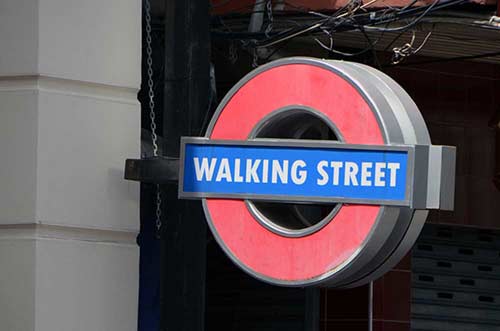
x: 233, y: 53
x: 151, y: 93
x: 269, y: 10
x: 152, y: 115
x: 255, y: 58
x: 158, y: 210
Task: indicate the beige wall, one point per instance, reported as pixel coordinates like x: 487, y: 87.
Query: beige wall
x: 69, y: 116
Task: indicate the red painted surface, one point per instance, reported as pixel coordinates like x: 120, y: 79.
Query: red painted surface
x: 267, y: 253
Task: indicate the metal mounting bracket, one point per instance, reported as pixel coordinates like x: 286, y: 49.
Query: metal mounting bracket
x: 153, y: 170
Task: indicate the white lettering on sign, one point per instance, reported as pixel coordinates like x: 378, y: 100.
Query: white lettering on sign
x: 299, y: 176
x: 265, y: 171
x: 393, y: 167
x: 224, y: 171
x: 379, y: 174
x: 280, y: 170
x: 252, y: 166
x: 238, y: 178
x: 321, y: 171
x: 351, y: 170
x: 366, y: 174
x: 336, y: 171
x: 204, y: 170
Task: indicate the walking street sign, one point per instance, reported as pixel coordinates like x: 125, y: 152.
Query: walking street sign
x: 303, y: 171
x: 316, y: 172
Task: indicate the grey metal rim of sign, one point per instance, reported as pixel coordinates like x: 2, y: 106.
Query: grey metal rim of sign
x: 267, y: 223
x: 292, y: 233
x: 411, y: 221
x: 390, y: 254
x: 395, y: 243
x: 395, y: 228
x: 407, y: 231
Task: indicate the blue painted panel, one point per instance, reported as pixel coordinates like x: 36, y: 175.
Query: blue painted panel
x: 306, y: 172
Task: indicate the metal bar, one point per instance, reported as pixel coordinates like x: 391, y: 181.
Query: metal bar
x: 312, y: 309
x: 496, y: 176
x: 186, y: 101
x: 370, y: 307
x: 158, y: 170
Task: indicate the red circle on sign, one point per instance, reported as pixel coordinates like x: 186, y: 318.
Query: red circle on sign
x: 266, y: 254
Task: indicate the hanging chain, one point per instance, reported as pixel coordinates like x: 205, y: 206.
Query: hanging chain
x: 158, y: 210
x: 269, y: 10
x: 151, y: 93
x: 152, y: 115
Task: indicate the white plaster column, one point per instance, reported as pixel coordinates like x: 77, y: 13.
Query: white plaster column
x: 69, y: 117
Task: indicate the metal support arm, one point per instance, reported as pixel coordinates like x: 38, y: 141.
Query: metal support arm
x: 154, y: 170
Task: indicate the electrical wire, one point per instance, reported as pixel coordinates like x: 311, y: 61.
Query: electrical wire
x: 402, y: 52
x: 409, y: 5
x: 318, y: 24
x: 353, y: 16
x: 408, y: 26
x: 458, y: 58
x: 372, y: 47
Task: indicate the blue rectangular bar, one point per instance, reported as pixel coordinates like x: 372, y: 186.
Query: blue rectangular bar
x: 295, y: 173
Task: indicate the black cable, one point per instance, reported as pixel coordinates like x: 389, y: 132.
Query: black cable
x: 404, y: 12
x: 409, y: 5
x: 459, y: 58
x: 241, y: 7
x: 283, y: 45
x: 372, y: 47
x: 408, y: 26
x: 340, y: 25
x: 345, y: 54
x: 393, y: 40
x: 363, y: 51
x: 411, y: 12
x: 300, y: 31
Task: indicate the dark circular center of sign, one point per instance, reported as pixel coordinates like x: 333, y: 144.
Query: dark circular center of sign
x: 300, y: 218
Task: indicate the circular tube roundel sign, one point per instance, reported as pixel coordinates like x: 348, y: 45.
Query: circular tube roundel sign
x: 316, y: 172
